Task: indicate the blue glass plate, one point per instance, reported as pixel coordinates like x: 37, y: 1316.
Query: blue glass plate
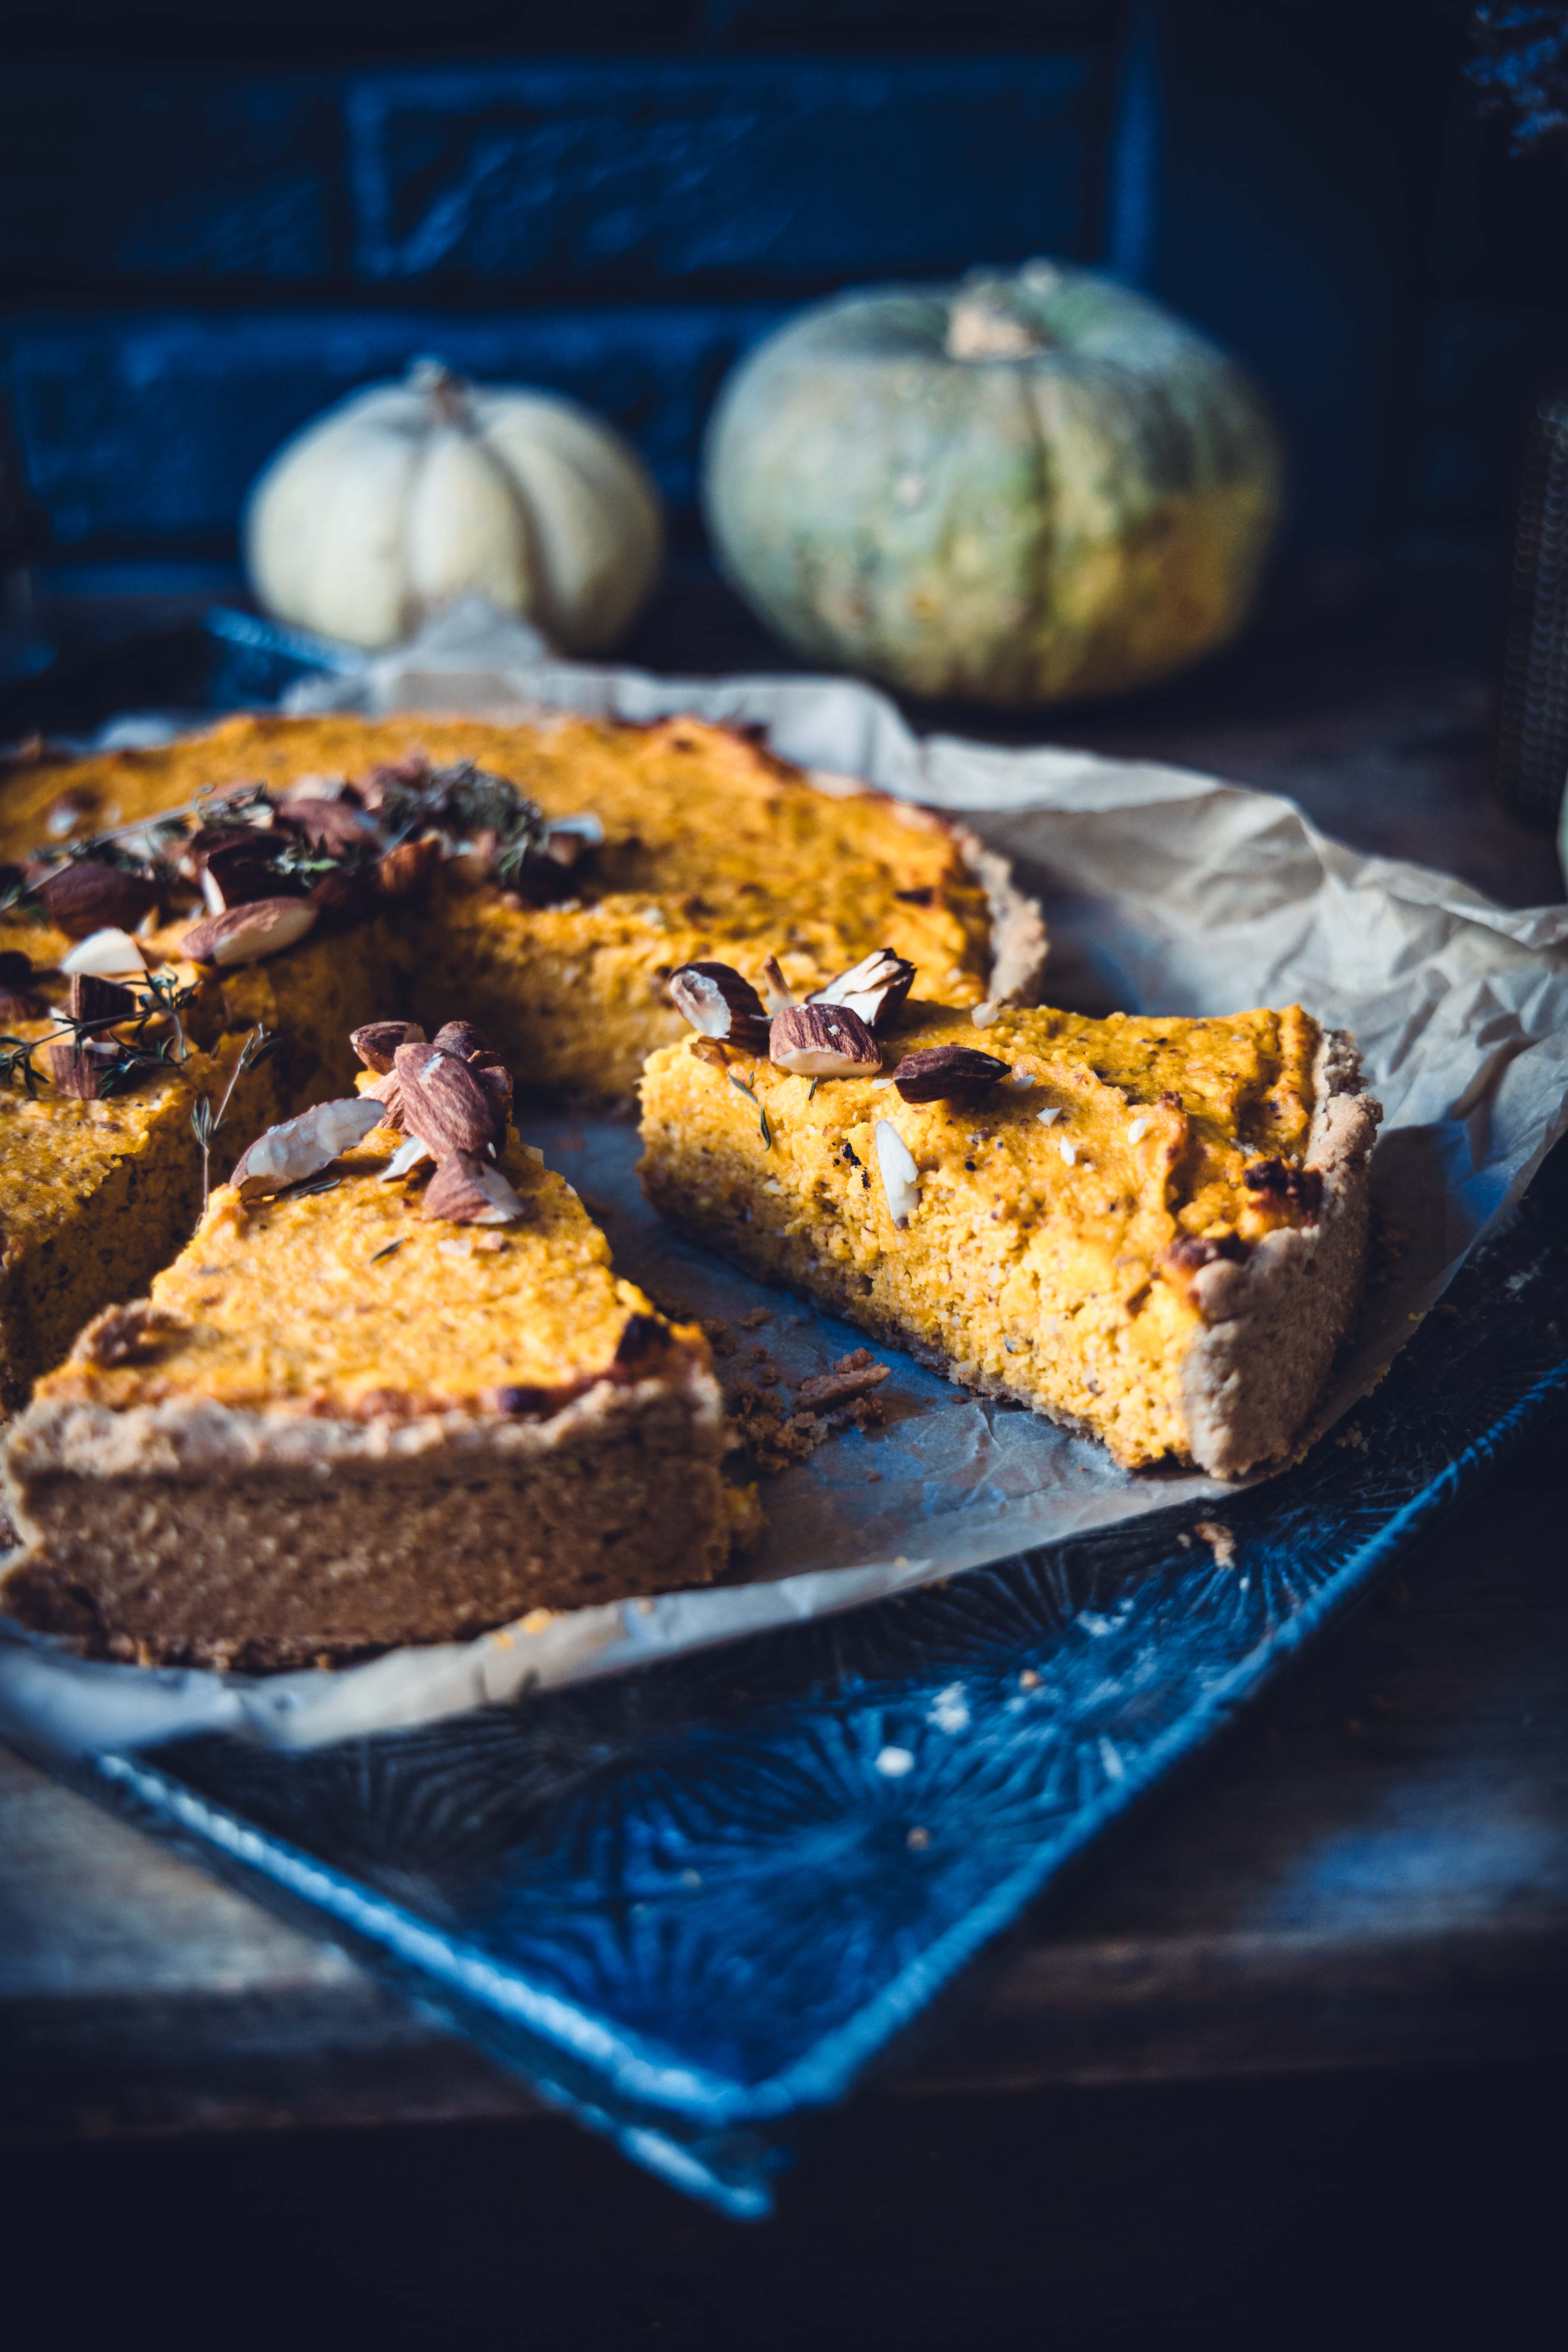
x: 693, y: 1901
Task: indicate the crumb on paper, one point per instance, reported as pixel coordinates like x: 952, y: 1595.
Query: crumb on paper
x: 1219, y: 1539
x: 1029, y: 1680
x: 1353, y: 1434
x: 755, y: 1319
x: 918, y: 1840
x: 780, y: 1430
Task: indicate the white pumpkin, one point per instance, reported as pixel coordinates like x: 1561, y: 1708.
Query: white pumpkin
x: 407, y: 495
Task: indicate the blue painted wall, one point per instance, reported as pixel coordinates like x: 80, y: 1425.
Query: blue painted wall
x: 214, y: 222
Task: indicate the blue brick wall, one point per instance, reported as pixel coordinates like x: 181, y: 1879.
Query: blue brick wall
x: 200, y: 250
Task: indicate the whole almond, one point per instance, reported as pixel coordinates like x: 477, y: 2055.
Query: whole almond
x: 443, y: 1101
x: 378, y: 1040
x: 245, y: 934
x: 822, y: 1041
x: 461, y: 1037
x: 947, y: 1074
x: 85, y: 897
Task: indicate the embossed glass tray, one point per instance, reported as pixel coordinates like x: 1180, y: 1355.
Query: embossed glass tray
x: 693, y: 1901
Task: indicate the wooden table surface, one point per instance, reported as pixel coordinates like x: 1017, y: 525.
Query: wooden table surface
x: 1375, y: 1869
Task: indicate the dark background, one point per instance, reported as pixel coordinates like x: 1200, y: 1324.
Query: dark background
x: 214, y: 220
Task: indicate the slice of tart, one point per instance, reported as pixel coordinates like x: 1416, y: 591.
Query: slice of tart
x: 365, y: 1408
x: 1152, y: 1230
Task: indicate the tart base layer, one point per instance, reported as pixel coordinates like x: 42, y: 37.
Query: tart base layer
x: 1083, y: 1237
x: 187, y: 1534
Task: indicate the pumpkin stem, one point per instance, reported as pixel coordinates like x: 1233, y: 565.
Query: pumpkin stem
x: 978, y: 328
x: 446, y: 391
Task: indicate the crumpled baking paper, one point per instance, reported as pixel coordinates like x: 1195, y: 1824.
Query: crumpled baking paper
x: 1165, y: 892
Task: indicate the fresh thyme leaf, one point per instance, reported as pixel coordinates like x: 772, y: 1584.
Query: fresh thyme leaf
x: 765, y: 1130
x: 741, y: 1088
x: 812, y: 1088
x: 397, y: 1245
x: 307, y: 1184
x: 202, y: 1120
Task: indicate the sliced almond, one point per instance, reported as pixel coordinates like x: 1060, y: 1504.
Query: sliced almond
x: 302, y: 1146
x: 245, y: 934
x: 720, y: 1003
x: 872, y: 988
x: 779, y: 995
x: 900, y: 1177
x: 822, y: 1041
x: 407, y: 1157
x: 464, y: 1192
x: 106, y: 954
x: 76, y: 1069
x: 947, y: 1074
x: 101, y: 1000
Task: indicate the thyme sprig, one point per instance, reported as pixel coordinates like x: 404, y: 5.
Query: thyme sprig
x: 763, y: 1129
x: 464, y: 803
x: 206, y: 1122
x: 134, y: 1053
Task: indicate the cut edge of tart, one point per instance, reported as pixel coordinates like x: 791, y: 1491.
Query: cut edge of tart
x: 1152, y: 1231
x: 392, y: 1391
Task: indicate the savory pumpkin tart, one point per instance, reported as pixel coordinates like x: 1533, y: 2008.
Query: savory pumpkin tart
x: 547, y: 877
x: 1152, y: 1230
x: 400, y: 1396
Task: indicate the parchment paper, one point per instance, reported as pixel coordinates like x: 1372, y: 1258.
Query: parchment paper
x: 1164, y: 892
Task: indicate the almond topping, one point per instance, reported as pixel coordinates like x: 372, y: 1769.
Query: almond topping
x: 302, y: 1146
x: 85, y: 897
x: 75, y: 1068
x: 377, y: 1041
x: 463, y: 1191
x: 443, y: 1100
x: 781, y: 996
x: 900, y: 1177
x: 718, y: 1003
x: 947, y: 1074
x: 105, y: 953
x: 822, y: 1041
x: 872, y: 988
x: 263, y: 927
x: 407, y: 868
x: 91, y: 999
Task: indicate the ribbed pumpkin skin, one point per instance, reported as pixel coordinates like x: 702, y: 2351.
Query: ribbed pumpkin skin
x: 1077, y: 519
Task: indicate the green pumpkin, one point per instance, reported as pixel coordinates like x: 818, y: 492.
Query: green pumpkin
x: 1019, y: 489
